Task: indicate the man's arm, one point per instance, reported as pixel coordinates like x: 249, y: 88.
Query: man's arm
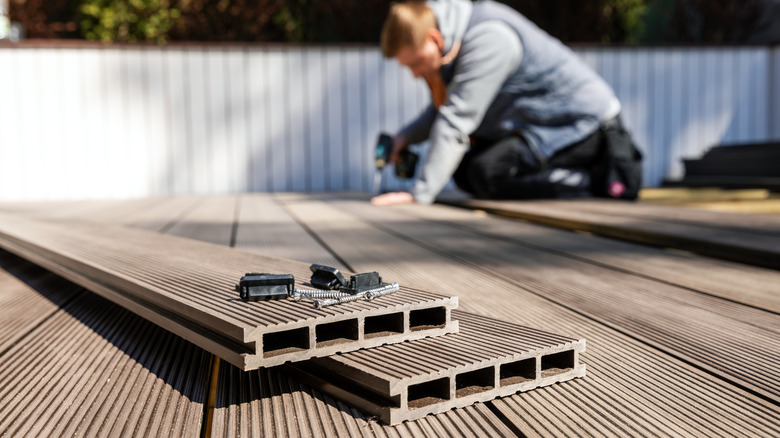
x: 419, y: 129
x: 491, y: 52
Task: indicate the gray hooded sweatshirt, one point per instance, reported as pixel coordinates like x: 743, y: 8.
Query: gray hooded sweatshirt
x: 508, y: 78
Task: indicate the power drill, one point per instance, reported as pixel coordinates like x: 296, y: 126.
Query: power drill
x: 403, y: 169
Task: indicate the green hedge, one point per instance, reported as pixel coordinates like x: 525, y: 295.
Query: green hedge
x: 158, y: 21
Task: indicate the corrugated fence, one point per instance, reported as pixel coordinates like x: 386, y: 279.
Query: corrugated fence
x: 115, y: 122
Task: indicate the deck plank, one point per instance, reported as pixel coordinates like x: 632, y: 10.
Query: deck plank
x: 612, y: 356
x: 24, y: 301
x: 716, y: 234
x: 632, y: 388
x: 267, y: 402
x: 731, y: 340
x: 266, y: 228
x: 95, y: 369
x: 745, y: 284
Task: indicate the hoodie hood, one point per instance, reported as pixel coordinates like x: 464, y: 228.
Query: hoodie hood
x: 452, y: 18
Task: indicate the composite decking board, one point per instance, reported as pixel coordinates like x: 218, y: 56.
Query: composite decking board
x: 749, y: 285
x: 486, y: 359
x: 164, y: 213
x: 115, y: 211
x: 736, y: 182
x: 187, y: 287
x: 61, y: 209
x: 745, y: 284
x: 767, y: 206
x: 211, y: 221
x: 612, y: 403
x: 25, y: 298
x: 630, y: 385
x: 740, y: 344
x: 265, y: 227
x: 95, y: 369
x: 269, y: 403
x: 735, y: 245
x: 753, y: 224
x: 479, y: 340
x: 685, y: 195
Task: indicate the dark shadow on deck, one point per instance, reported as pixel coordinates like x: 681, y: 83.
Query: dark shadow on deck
x: 181, y: 365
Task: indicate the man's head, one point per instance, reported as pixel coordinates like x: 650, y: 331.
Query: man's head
x: 410, y: 35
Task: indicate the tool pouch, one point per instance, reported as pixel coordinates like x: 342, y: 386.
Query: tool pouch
x: 618, y: 174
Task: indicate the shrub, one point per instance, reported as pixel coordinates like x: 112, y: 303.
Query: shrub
x: 127, y: 20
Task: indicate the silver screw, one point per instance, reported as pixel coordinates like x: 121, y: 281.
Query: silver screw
x: 319, y: 304
x: 367, y: 295
x: 298, y: 294
x: 384, y: 290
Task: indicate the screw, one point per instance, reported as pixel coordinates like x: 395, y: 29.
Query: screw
x: 367, y: 295
x: 298, y: 294
x: 384, y: 290
x: 319, y: 304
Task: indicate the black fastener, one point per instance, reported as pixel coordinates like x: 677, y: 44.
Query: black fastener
x: 264, y: 287
x: 326, y: 277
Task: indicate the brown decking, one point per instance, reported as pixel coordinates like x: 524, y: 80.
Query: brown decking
x: 752, y: 239
x: 91, y: 368
x: 486, y: 359
x: 678, y: 345
x: 186, y: 287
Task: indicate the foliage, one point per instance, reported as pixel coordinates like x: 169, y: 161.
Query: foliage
x: 332, y: 20
x: 706, y: 21
x: 46, y: 18
x: 127, y: 20
x: 624, y: 20
x: 228, y: 20
x: 606, y: 21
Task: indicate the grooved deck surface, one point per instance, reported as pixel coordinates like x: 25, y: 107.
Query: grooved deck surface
x: 269, y: 403
x: 426, y: 254
x: 751, y: 239
x: 486, y: 359
x: 25, y: 299
x: 726, y: 339
x: 654, y: 368
x: 187, y: 287
x: 94, y: 369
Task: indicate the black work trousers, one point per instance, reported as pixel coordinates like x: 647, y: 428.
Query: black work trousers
x: 508, y: 169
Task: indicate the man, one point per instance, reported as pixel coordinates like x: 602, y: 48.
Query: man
x: 515, y: 114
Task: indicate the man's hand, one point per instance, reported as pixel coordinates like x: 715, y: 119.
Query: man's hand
x: 393, y: 198
x: 399, y: 144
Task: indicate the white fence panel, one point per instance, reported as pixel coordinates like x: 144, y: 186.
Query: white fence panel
x: 678, y: 102
x: 115, y: 122
x: 774, y: 85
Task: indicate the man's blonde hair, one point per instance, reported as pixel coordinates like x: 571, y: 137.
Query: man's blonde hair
x: 406, y: 26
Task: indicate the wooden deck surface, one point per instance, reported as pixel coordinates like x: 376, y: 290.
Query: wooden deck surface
x: 678, y: 344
